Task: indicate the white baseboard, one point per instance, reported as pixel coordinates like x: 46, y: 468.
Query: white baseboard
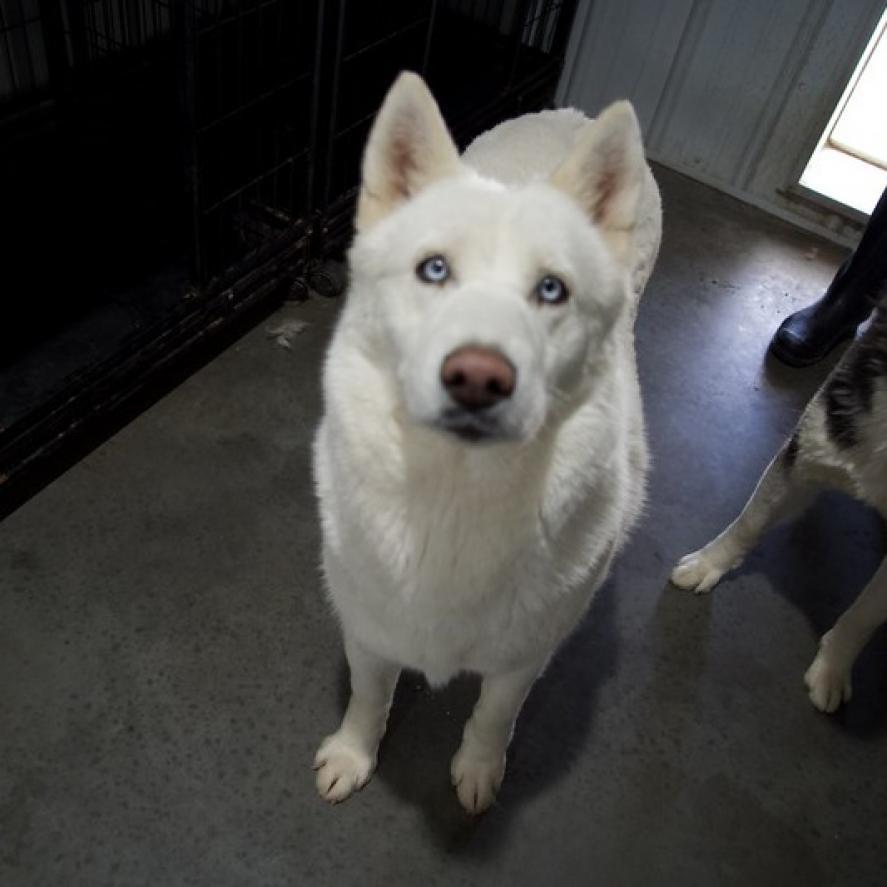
x: 773, y: 208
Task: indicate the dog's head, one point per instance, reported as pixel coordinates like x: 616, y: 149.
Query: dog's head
x: 492, y: 305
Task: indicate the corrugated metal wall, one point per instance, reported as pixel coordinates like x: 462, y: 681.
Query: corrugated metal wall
x: 735, y: 94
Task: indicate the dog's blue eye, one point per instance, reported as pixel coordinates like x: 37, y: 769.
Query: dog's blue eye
x: 434, y: 270
x: 551, y: 290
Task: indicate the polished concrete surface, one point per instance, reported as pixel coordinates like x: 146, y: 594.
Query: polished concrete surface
x: 168, y: 663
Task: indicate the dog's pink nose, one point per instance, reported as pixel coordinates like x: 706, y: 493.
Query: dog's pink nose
x: 477, y: 378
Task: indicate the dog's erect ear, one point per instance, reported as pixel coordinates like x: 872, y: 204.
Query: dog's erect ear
x: 409, y: 147
x: 605, y: 173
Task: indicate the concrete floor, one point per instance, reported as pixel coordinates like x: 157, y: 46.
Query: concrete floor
x: 168, y: 665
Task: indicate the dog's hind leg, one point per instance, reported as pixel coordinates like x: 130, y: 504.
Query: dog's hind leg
x: 780, y: 493
x: 346, y: 759
x: 828, y: 678
x: 479, y: 765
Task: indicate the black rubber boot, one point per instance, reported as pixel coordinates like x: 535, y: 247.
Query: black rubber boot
x: 809, y: 335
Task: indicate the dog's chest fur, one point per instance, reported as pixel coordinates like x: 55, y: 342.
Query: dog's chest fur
x: 447, y: 558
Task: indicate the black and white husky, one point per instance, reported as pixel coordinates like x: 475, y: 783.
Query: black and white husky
x: 840, y: 442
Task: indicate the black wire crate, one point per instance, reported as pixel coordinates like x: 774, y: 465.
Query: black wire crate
x: 166, y: 165
x: 251, y: 105
x: 90, y: 168
x: 24, y: 67
x: 369, y: 44
x: 485, y: 60
x: 510, y: 51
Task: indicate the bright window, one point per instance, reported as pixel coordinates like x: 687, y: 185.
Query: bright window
x: 850, y: 163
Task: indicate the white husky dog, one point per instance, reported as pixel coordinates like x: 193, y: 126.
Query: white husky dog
x: 482, y: 453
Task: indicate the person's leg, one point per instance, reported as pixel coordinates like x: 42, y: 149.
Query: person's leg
x: 810, y: 334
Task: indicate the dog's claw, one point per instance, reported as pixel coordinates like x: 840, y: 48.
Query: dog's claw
x: 477, y: 780
x: 342, y: 768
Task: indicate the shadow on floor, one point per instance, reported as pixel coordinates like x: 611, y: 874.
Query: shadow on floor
x: 425, y: 729
x: 819, y: 562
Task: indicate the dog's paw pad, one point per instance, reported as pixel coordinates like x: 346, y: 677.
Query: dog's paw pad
x: 828, y: 683
x: 342, y: 768
x: 700, y: 571
x: 477, y: 779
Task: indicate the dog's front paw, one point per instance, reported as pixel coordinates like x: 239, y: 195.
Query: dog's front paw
x: 477, y: 777
x: 701, y: 570
x: 343, y: 767
x: 828, y: 681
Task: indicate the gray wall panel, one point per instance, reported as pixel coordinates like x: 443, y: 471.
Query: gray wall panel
x: 733, y: 93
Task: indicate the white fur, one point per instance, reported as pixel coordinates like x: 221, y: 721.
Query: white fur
x: 444, y: 556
